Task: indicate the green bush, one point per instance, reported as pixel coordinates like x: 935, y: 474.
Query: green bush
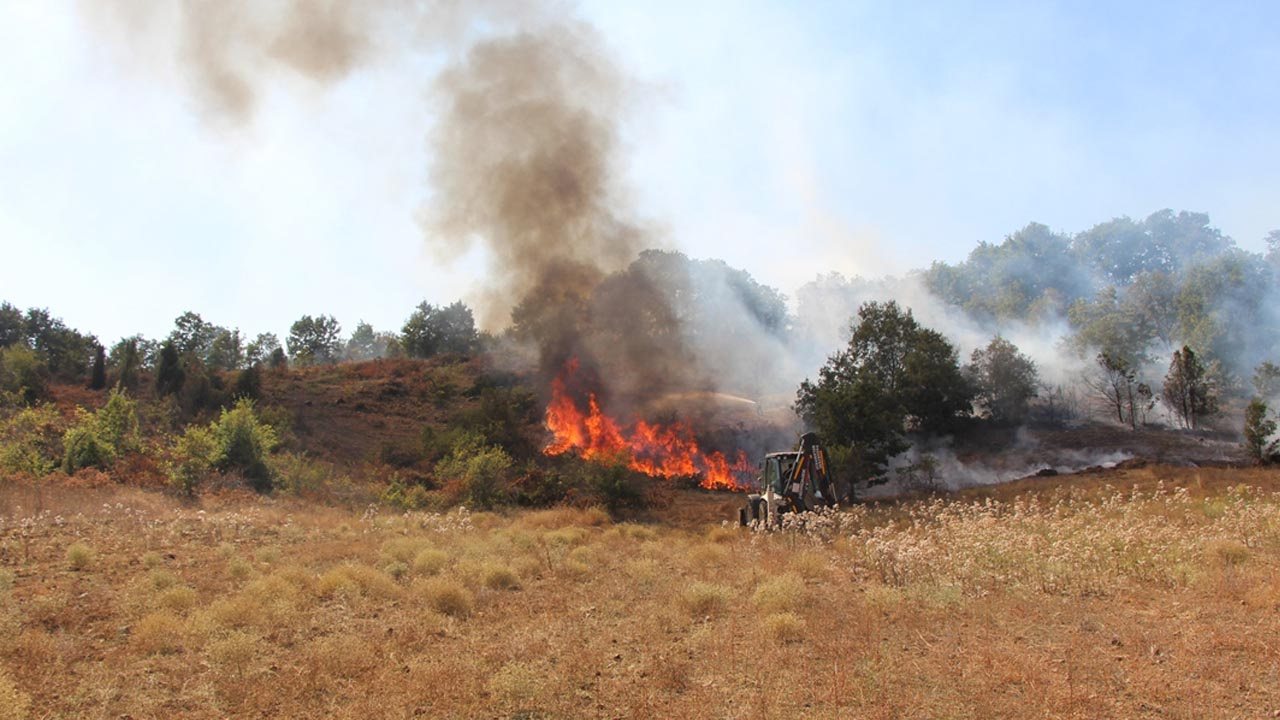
x: 83, y: 447
x: 96, y: 439
x: 194, y: 456
x: 117, y: 422
x: 30, y: 441
x: 22, y: 375
x: 243, y: 444
x: 614, y: 484
x: 480, y: 473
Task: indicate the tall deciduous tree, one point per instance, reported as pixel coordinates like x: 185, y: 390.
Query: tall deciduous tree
x: 432, y: 330
x: 259, y: 350
x: 315, y: 340
x: 1259, y: 431
x: 893, y: 377
x: 1004, y: 379
x: 1188, y: 390
x: 1115, y: 384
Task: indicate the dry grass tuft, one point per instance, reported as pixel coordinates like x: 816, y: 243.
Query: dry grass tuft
x: 780, y: 593
x: 1227, y: 552
x: 496, y: 576
x: 516, y: 685
x: 430, y: 561
x: 159, y: 632
x: 79, y: 556
x: 722, y: 534
x: 704, y: 599
x: 445, y: 596
x: 14, y: 703
x: 556, y: 518
x: 237, y: 653
x: 785, y: 627
x: 161, y: 579
x: 178, y: 598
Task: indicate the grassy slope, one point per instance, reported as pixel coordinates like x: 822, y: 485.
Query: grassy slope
x: 1078, y: 598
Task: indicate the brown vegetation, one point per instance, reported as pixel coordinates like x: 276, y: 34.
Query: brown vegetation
x: 1139, y: 592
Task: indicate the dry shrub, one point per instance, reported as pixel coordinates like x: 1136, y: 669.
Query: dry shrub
x: 560, y: 517
x: 341, y: 655
x: 445, y: 596
x: 402, y: 550
x: 152, y: 560
x: 6, y: 580
x: 703, y: 599
x: 784, y: 592
x: 583, y: 561
x: 159, y: 632
x: 238, y: 568
x: 237, y: 611
x: 161, y: 579
x: 637, y: 532
x: 785, y: 627
x: 516, y: 684
x: 809, y: 565
x: 354, y: 580
x: 707, y: 556
x: 496, y: 576
x: 1226, y: 552
x: 721, y: 534
x: 430, y: 561
x: 267, y: 555
x: 565, y: 536
x: 79, y: 556
x: 644, y: 573
x: 14, y: 703
x: 179, y: 598
x: 238, y: 653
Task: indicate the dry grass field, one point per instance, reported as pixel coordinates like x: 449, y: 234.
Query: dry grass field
x: 1138, y: 593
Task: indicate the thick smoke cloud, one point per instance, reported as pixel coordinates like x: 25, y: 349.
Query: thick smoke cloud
x: 523, y: 155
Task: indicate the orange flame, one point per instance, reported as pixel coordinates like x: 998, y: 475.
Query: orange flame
x: 654, y: 450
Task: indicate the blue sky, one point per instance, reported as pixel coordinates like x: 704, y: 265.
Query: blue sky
x: 787, y: 138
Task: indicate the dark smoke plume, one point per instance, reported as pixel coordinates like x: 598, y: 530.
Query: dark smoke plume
x: 523, y: 156
x: 523, y: 161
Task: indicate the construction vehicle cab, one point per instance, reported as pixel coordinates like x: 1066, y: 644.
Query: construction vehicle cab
x: 794, y: 481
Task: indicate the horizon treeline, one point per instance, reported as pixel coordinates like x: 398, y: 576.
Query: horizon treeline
x: 1131, y: 290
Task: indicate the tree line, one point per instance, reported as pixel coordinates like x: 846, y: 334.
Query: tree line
x: 36, y: 347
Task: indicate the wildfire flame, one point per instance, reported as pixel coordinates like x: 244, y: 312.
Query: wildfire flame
x: 655, y: 450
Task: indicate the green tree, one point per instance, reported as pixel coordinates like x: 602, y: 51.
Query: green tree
x: 259, y: 350
x: 432, y: 330
x: 314, y: 340
x: 170, y: 376
x: 66, y: 352
x: 366, y: 344
x: 23, y: 375
x: 191, y: 335
x: 226, y: 350
x: 1266, y: 380
x: 13, y: 326
x: 125, y: 359
x: 1259, y: 432
x: 893, y: 376
x: 1005, y: 380
x: 98, y: 377
x: 1108, y: 325
x: 243, y: 443
x: 1187, y: 389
